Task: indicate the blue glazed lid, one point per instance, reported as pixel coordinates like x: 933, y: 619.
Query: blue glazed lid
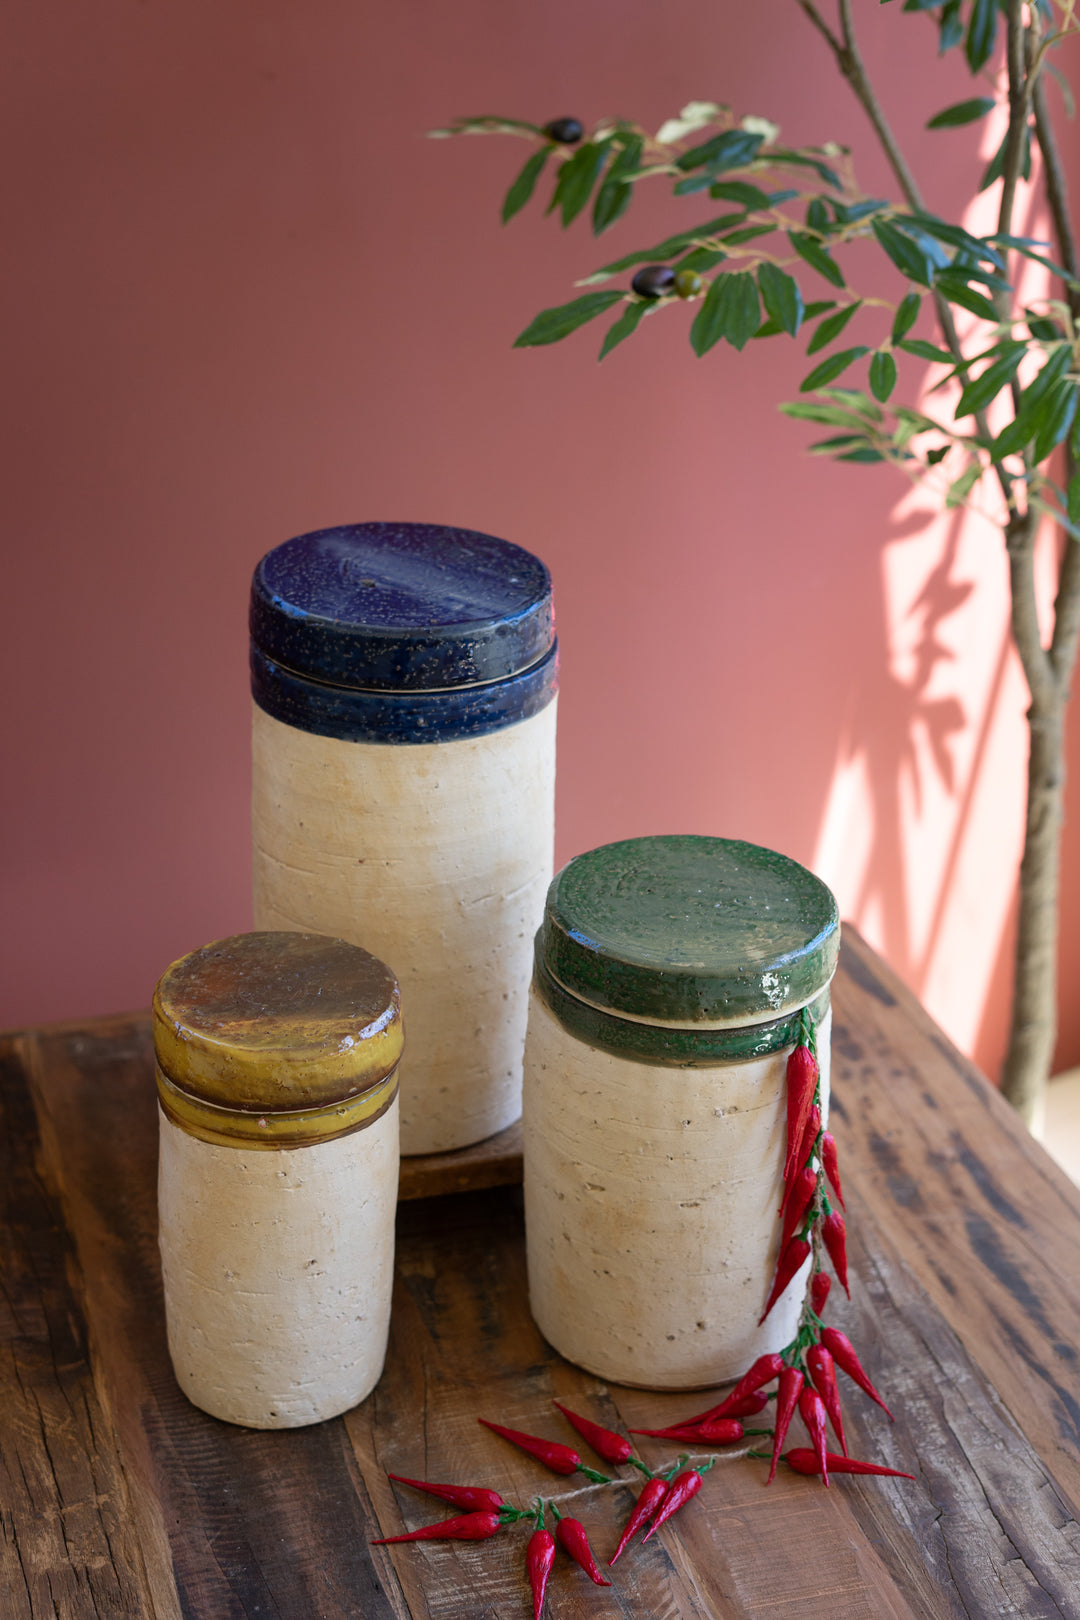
x: 401, y: 607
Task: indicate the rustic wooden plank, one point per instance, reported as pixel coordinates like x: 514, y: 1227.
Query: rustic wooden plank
x: 68, y: 1544
x: 273, y: 1524
x: 493, y: 1163
x: 463, y: 1346
x: 964, y: 1197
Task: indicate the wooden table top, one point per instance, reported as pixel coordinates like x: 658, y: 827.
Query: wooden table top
x: 119, y: 1499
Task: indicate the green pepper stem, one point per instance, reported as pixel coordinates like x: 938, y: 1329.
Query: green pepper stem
x: 591, y: 1473
x: 636, y: 1462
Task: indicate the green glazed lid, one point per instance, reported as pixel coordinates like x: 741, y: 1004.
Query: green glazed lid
x: 688, y: 931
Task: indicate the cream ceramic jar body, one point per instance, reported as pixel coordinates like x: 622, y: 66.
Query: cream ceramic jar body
x: 437, y: 857
x: 651, y: 1198
x: 277, y: 1268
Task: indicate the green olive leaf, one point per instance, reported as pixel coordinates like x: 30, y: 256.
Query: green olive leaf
x: 832, y: 367
x: 906, y: 316
x: 831, y: 329
x: 962, y: 112
x: 781, y: 296
x: 627, y: 323
x: 882, y: 374
x: 552, y: 325
x: 808, y: 248
x: 978, y: 394
x: 730, y: 310
x: 525, y: 184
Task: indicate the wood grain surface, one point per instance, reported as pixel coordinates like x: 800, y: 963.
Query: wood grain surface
x: 118, y: 1498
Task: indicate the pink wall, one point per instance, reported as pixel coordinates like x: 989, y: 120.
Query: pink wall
x: 250, y: 299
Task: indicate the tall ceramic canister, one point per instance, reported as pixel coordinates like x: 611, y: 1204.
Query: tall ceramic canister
x: 404, y: 679
x: 278, y: 1171
x: 671, y: 979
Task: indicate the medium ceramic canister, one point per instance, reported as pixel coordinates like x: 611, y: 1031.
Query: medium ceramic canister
x: 404, y: 680
x: 277, y: 1182
x: 671, y: 977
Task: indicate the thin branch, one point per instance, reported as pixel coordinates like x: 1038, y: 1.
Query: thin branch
x: 853, y: 68
x: 1056, y: 190
x: 819, y: 23
x: 1019, y: 90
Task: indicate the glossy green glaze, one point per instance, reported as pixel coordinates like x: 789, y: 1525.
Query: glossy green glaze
x: 684, y: 929
x: 662, y: 1046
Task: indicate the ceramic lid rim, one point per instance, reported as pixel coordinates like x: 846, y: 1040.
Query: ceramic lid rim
x: 611, y: 974
x: 403, y: 656
x: 258, y: 1077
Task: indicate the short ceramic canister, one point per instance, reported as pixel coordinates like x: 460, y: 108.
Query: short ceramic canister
x: 672, y: 977
x: 404, y: 679
x: 277, y: 1060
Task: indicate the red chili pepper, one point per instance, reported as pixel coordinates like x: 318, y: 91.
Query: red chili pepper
x: 787, y: 1396
x: 763, y: 1371
x: 466, y: 1527
x: 820, y: 1283
x: 803, y: 1189
x: 683, y: 1487
x: 805, y: 1461
x: 806, y: 1148
x: 747, y: 1406
x: 810, y: 1135
x: 644, y: 1508
x: 474, y: 1498
x: 802, y: 1079
x: 834, y: 1237
x: 812, y: 1412
x: 539, y: 1557
x: 571, y: 1536
x: 612, y: 1447
x: 843, y: 1353
x: 819, y: 1364
x: 718, y: 1431
x: 744, y: 1406
x: 830, y: 1166
x: 794, y: 1256
x: 560, y: 1459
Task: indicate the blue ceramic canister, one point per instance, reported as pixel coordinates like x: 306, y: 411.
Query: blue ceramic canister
x: 404, y: 678
x: 672, y: 979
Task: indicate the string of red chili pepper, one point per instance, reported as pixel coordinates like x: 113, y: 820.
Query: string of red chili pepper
x: 811, y: 1226
x: 663, y: 1495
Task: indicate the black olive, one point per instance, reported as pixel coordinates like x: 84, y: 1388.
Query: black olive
x: 654, y: 281
x: 567, y: 131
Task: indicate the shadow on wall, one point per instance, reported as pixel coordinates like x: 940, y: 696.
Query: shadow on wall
x: 922, y: 825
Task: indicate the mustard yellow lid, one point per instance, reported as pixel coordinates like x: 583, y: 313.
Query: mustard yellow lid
x: 277, y: 1022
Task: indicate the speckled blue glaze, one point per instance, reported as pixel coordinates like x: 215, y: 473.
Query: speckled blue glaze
x: 401, y: 717
x: 400, y: 607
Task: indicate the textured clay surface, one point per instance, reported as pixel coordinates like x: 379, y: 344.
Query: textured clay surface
x: 436, y: 857
x: 277, y: 1268
x: 651, y: 1198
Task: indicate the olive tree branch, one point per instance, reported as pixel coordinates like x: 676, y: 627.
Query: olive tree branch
x: 850, y: 62
x: 821, y: 25
x: 1020, y: 84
